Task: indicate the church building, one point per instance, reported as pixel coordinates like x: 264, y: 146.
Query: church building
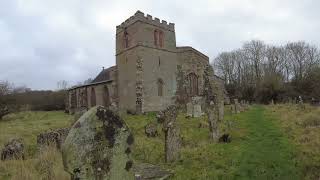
x: 150, y: 70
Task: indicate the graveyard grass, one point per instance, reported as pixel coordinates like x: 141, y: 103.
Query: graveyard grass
x: 268, y: 142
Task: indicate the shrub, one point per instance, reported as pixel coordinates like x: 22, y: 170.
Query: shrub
x: 311, y: 120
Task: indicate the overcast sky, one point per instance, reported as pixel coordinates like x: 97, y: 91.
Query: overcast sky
x: 44, y: 41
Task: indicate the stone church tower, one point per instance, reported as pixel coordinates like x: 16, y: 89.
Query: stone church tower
x: 151, y: 72
x: 146, y: 62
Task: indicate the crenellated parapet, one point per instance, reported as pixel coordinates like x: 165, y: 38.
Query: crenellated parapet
x: 140, y: 16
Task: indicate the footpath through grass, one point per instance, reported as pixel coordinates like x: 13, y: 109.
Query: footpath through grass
x: 259, y: 149
x: 265, y: 152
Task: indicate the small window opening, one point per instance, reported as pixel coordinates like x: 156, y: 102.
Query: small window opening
x: 160, y: 87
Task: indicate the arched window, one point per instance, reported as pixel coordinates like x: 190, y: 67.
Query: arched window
x: 106, y: 96
x: 155, y: 36
x: 160, y: 87
x: 126, y: 38
x: 93, y: 97
x: 160, y: 38
x: 193, y: 84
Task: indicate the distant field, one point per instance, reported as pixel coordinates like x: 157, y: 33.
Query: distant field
x: 268, y: 142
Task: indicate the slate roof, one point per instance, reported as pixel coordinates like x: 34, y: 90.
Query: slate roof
x: 104, y: 75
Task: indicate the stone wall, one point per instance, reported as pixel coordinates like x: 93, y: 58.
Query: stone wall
x: 81, y: 97
x: 192, y: 61
x: 142, y: 64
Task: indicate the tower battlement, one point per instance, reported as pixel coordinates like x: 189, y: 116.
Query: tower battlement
x: 140, y: 16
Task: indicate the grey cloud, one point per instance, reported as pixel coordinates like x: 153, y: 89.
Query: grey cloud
x: 43, y: 42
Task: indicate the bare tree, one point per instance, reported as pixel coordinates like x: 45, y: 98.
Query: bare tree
x: 62, y: 85
x: 255, y: 51
x: 266, y: 69
x: 5, y: 87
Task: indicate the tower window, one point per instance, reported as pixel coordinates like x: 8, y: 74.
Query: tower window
x: 155, y: 36
x: 160, y: 87
x: 159, y: 62
x: 126, y: 38
x: 161, y: 38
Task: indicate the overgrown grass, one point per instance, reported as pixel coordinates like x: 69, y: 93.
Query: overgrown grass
x: 259, y: 149
x: 47, y: 165
x: 29, y: 124
x: 302, y: 127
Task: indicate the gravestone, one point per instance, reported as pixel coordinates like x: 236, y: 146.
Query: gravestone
x: 197, y: 110
x: 221, y: 111
x: 213, y: 122
x: 236, y: 106
x: 3, y: 111
x: 14, y: 149
x: 189, y: 109
x: 272, y: 102
x: 52, y: 138
x: 79, y: 112
x: 300, y: 103
x: 98, y: 147
x: 172, y: 133
x: 233, y: 110
x: 151, y: 129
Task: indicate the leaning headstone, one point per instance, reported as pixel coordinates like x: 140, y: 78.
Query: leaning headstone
x: 172, y: 134
x: 14, y: 149
x: 98, y: 147
x: 213, y: 122
x: 151, y: 129
x: 52, y: 138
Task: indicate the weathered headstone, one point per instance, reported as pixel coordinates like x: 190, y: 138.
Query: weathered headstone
x: 172, y: 134
x: 300, y: 103
x: 213, y: 122
x: 14, y: 149
x: 79, y: 112
x: 236, y: 106
x: 233, y: 110
x: 189, y: 109
x: 221, y: 111
x: 98, y: 147
x: 272, y: 102
x: 3, y: 111
x: 197, y: 110
x: 151, y: 129
x: 54, y: 138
